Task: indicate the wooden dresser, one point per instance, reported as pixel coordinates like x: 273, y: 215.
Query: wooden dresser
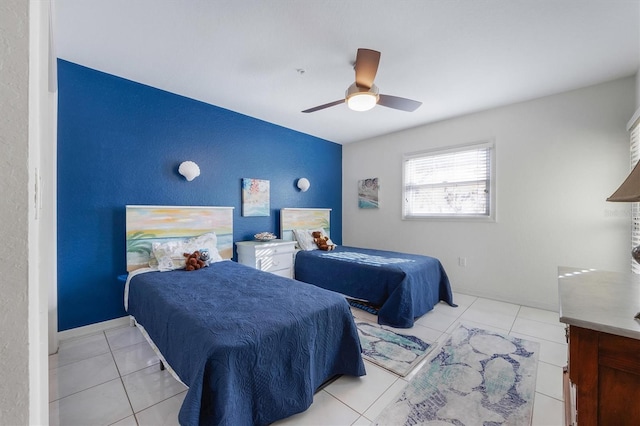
x: 603, y: 386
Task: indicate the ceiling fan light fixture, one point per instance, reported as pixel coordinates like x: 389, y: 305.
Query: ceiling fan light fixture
x: 362, y: 99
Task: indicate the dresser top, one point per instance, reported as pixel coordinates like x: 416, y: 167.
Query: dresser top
x: 600, y: 300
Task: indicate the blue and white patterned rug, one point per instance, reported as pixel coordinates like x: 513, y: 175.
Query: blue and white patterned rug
x: 397, y: 353
x: 477, y: 377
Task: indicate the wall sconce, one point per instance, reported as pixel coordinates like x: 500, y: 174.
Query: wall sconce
x: 189, y: 170
x: 303, y: 184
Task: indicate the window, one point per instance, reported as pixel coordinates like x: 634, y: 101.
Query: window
x: 634, y: 139
x: 450, y: 183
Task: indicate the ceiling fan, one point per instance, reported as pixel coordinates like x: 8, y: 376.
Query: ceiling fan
x: 363, y: 94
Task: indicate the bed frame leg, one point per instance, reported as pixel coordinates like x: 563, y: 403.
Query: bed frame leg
x: 161, y: 366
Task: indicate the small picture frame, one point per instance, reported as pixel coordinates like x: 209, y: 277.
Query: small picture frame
x: 255, y: 197
x: 368, y: 193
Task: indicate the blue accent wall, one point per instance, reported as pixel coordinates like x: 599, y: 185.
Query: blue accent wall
x: 120, y: 142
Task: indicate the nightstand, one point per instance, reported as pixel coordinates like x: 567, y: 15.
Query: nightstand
x: 275, y: 256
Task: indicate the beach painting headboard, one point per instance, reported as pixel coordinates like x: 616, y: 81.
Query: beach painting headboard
x: 148, y: 224
x: 303, y: 218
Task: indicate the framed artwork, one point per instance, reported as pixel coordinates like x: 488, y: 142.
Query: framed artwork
x: 255, y: 197
x: 368, y: 193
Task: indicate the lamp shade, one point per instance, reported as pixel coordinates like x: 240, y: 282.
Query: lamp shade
x: 629, y: 191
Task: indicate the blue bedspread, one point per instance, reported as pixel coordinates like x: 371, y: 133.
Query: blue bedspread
x: 405, y: 286
x: 253, y: 347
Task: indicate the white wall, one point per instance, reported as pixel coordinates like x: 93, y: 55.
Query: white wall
x: 14, y: 177
x: 638, y: 89
x: 558, y: 159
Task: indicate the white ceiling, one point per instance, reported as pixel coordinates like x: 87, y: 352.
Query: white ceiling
x: 456, y: 56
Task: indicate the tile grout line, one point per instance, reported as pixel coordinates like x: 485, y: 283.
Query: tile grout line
x: 342, y: 402
x: 76, y: 362
x: 380, y: 396
x: 125, y: 388
x: 120, y: 377
x: 80, y: 391
x: 515, y: 318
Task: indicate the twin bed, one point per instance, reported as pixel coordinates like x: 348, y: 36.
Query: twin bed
x: 251, y: 346
x: 401, y: 286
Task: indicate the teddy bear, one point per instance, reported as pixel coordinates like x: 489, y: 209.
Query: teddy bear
x: 193, y: 261
x: 321, y: 241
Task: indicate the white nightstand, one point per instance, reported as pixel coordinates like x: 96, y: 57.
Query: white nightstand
x: 275, y: 256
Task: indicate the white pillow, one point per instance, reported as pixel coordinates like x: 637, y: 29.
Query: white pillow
x: 305, y: 239
x: 170, y: 254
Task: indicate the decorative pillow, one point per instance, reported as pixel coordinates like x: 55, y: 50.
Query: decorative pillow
x: 166, y: 255
x: 305, y: 239
x: 170, y: 254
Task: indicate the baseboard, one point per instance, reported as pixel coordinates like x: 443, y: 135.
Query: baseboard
x: 501, y: 298
x: 94, y: 328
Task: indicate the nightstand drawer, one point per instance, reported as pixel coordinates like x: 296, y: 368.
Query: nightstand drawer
x: 274, y: 256
x: 275, y: 262
x: 283, y: 273
x: 273, y: 251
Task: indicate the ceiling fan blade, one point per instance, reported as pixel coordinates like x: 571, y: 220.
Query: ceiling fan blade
x: 366, y: 67
x: 397, y: 102
x: 319, y: 107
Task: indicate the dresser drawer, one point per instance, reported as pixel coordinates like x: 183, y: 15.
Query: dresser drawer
x: 275, y: 262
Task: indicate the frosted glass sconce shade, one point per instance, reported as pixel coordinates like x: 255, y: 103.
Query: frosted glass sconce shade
x: 303, y: 184
x: 189, y: 170
x: 362, y: 99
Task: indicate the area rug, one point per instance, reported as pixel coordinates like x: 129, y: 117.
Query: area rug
x: 477, y: 377
x: 395, y: 352
x: 365, y: 306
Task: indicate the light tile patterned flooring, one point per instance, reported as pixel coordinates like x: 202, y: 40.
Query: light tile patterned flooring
x: 113, y: 377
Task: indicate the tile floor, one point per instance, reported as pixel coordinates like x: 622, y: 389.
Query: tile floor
x: 113, y: 377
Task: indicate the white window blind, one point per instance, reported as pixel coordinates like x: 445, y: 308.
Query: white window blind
x: 451, y: 183
x: 635, y: 207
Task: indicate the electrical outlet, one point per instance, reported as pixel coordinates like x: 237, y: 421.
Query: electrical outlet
x: 462, y: 261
